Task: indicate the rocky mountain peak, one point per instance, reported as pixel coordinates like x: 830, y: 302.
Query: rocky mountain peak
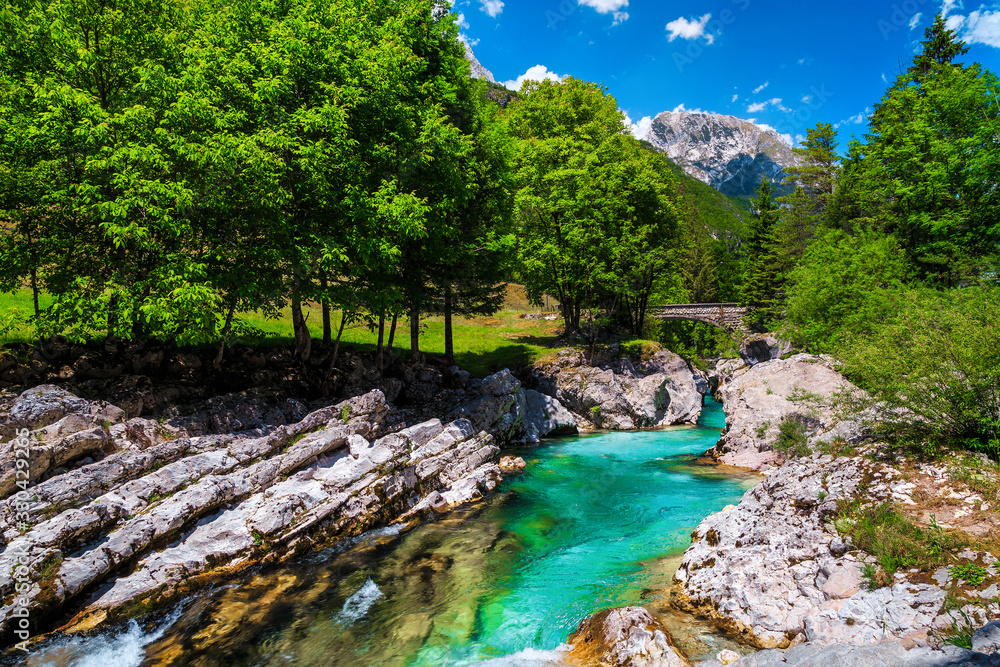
x: 730, y: 154
x: 478, y: 71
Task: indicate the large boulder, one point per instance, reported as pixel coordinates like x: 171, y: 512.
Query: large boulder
x: 546, y: 417
x: 621, y: 396
x: 625, y: 637
x: 765, y: 347
x: 758, y: 398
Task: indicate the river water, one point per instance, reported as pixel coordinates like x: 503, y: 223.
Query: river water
x: 595, y: 521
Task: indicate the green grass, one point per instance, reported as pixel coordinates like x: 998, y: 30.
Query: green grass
x: 895, y: 541
x: 483, y: 345
x: 22, y: 306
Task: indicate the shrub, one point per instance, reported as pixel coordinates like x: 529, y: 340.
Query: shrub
x: 792, y: 437
x: 932, y: 371
x: 969, y: 572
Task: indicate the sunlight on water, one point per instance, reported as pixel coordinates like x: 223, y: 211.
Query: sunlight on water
x: 594, y: 522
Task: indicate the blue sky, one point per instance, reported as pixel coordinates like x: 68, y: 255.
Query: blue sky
x: 785, y: 64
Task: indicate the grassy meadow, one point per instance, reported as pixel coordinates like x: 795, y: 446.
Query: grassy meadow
x: 483, y: 345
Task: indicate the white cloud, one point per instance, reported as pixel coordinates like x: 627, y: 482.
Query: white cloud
x: 885, y: 79
x: 856, y: 119
x: 639, y: 129
x: 807, y: 99
x: 492, y: 7
x: 536, y: 73
x: 761, y: 87
x: 735, y: 97
x: 620, y: 17
x: 460, y: 20
x: 774, y: 101
x: 680, y: 109
x: 915, y: 21
x: 604, y: 6
x: 692, y: 29
x: 983, y: 27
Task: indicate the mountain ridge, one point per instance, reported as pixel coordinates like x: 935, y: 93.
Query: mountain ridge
x: 731, y: 154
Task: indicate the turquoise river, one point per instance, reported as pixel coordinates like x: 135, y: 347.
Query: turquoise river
x: 594, y: 521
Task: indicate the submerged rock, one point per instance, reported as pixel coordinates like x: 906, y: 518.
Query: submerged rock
x: 621, y: 396
x: 625, y: 637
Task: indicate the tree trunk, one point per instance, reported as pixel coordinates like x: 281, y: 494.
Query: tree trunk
x: 303, y: 339
x: 34, y: 289
x: 392, y: 334
x: 217, y: 363
x: 112, y: 315
x: 414, y: 331
x: 336, y: 345
x: 380, y: 350
x: 449, y: 346
x: 326, y: 310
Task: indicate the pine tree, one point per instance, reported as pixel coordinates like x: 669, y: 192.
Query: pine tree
x: 761, y: 261
x: 940, y: 47
x: 818, y: 173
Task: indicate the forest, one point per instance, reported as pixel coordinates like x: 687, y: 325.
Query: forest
x: 167, y: 168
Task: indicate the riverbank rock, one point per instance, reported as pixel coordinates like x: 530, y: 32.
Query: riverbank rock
x: 756, y: 400
x: 625, y: 637
x: 764, y: 347
x: 546, y: 417
x: 774, y: 571
x: 620, y: 395
x: 141, y: 512
x: 887, y: 654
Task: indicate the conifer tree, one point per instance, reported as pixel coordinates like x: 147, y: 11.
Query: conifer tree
x: 761, y: 279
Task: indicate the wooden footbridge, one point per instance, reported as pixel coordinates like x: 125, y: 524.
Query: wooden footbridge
x: 728, y: 316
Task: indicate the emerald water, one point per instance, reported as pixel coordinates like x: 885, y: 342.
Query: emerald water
x: 594, y: 521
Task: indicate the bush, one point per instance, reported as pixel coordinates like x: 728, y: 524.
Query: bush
x: 792, y: 437
x: 932, y: 371
x: 834, y: 293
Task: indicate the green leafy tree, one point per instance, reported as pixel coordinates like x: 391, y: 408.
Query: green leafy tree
x: 932, y: 370
x: 595, y: 212
x: 927, y: 171
x: 818, y: 173
x: 839, y: 289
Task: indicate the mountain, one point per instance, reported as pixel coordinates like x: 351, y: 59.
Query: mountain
x: 730, y: 154
x: 478, y: 71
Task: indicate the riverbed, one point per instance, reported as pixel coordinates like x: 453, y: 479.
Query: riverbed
x: 594, y: 521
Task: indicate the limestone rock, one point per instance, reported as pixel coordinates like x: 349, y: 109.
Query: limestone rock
x: 758, y: 349
x: 159, y: 508
x: 987, y: 638
x: 509, y: 464
x: 625, y: 637
x: 546, y: 416
x: 755, y: 402
x: 621, y: 396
